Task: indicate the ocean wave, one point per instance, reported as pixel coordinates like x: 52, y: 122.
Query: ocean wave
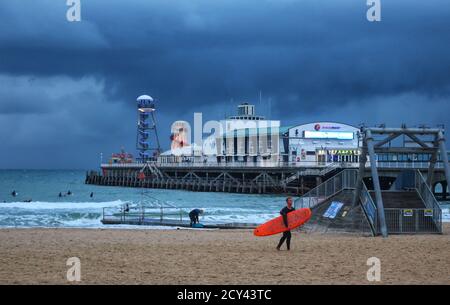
x: 89, y: 214
x: 45, y: 205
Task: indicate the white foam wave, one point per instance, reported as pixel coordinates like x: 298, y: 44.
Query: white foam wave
x: 43, y: 205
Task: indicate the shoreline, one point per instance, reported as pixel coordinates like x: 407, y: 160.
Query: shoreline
x: 145, y: 256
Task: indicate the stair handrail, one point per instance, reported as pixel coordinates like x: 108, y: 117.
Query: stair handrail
x: 428, y: 198
x: 330, y: 167
x: 370, y: 209
x: 291, y: 178
x: 326, y: 189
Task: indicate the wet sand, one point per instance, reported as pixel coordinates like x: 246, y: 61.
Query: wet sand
x: 38, y: 256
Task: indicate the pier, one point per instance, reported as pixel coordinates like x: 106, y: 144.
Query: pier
x: 282, y: 178
x: 385, y: 190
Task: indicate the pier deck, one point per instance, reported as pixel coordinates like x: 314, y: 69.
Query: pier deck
x: 233, y: 178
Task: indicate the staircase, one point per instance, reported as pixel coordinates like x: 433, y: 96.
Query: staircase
x: 311, y: 172
x: 349, y: 219
x: 413, y: 211
x: 400, y: 199
x: 331, y: 167
x: 291, y: 178
x: 343, y: 180
x: 154, y: 170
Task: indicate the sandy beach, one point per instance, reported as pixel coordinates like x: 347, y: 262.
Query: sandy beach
x: 38, y: 256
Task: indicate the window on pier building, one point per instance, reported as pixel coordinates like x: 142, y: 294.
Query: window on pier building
x: 246, y: 142
x: 439, y: 188
x: 269, y: 141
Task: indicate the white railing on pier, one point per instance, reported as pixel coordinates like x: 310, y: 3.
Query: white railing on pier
x: 305, y: 164
x: 326, y: 167
x: 407, y: 164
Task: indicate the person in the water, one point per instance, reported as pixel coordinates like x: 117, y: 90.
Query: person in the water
x: 14, y: 193
x: 91, y: 195
x: 193, y: 215
x: 69, y: 193
x: 286, y: 234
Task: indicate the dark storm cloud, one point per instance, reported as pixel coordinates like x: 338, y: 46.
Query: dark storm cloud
x: 311, y: 59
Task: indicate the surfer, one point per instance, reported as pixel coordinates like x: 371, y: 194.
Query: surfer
x: 193, y: 215
x: 286, y: 234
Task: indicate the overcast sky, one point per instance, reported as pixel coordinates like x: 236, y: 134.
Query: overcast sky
x: 68, y: 89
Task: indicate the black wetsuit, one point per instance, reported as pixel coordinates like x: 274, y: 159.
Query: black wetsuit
x: 287, y: 234
x: 193, y: 215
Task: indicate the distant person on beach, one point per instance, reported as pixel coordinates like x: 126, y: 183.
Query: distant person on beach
x: 287, y: 234
x: 193, y: 215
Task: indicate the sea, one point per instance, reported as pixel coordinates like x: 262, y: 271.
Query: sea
x: 38, y: 204
x: 80, y: 210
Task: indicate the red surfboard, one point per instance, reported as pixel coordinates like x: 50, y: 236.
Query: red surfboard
x: 295, y: 219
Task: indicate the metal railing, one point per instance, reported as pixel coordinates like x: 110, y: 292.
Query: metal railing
x: 398, y: 220
x: 428, y: 198
x: 259, y: 164
x: 412, y: 221
x: 155, y: 210
x: 407, y: 220
x: 346, y: 179
x: 236, y: 164
x: 408, y: 164
x: 140, y: 214
x: 332, y: 166
x: 369, y: 208
x: 328, y: 166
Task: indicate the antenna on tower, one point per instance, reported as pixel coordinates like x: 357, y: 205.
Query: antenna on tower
x: 270, y: 108
x: 260, y: 100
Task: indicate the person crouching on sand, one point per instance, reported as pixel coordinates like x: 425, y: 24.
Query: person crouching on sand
x: 287, y: 234
x: 193, y: 215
